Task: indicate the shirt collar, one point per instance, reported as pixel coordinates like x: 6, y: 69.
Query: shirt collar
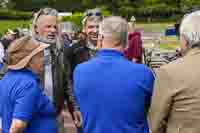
x: 109, y: 52
x: 28, y: 71
x: 193, y: 51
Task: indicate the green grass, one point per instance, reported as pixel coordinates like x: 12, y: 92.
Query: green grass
x: 168, y: 43
x: 154, y: 27
x: 169, y: 46
x: 11, y: 24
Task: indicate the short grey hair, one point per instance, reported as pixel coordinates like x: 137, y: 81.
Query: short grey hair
x: 116, y: 28
x: 44, y: 11
x: 190, y: 28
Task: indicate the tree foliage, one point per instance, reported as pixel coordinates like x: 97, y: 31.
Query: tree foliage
x: 152, y: 8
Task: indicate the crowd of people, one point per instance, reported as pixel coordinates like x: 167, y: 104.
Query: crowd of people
x: 97, y: 74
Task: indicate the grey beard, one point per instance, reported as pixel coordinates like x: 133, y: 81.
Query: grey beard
x: 44, y: 40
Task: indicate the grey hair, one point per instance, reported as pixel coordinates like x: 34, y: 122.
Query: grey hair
x: 190, y: 28
x: 116, y: 28
x: 44, y: 11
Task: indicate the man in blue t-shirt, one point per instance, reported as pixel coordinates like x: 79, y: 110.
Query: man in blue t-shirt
x: 113, y: 93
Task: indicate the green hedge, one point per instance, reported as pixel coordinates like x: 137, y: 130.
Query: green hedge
x: 159, y: 12
x: 12, y: 24
x: 15, y: 15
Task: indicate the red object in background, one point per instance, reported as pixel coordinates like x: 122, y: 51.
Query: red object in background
x: 135, y: 49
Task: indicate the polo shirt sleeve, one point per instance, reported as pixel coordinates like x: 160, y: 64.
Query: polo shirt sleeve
x: 26, y: 98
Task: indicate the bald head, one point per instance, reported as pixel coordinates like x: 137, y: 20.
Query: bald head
x: 114, y: 30
x: 190, y: 28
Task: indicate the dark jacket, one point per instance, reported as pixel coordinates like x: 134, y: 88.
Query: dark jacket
x: 59, y: 82
x: 74, y: 55
x: 134, y: 49
x: 5, y: 42
x: 62, y: 91
x: 77, y: 54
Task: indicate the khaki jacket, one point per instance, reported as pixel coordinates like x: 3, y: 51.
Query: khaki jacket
x: 175, y: 106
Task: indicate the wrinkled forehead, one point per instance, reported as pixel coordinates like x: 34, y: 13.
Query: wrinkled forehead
x: 47, y: 20
x: 93, y: 22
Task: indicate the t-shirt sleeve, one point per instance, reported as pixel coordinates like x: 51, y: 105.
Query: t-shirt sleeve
x: 26, y: 98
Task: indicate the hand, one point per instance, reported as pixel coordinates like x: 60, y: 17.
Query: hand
x: 134, y: 60
x: 77, y: 118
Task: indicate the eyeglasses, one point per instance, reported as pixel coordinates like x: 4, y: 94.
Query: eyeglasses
x: 45, y: 11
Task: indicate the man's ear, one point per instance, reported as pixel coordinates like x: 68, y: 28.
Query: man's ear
x: 84, y: 30
x: 184, y: 45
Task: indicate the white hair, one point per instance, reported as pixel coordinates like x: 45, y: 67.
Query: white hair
x: 190, y: 28
x: 114, y: 28
x: 44, y: 11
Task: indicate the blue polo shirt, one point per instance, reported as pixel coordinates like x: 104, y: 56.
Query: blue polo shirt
x: 22, y: 98
x: 114, y: 94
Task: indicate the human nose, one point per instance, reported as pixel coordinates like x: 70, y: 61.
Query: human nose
x: 53, y: 29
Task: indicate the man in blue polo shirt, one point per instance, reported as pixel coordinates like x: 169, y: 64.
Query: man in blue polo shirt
x: 113, y: 93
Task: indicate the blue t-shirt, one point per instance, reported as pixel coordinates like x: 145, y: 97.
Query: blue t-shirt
x: 22, y: 98
x: 114, y: 94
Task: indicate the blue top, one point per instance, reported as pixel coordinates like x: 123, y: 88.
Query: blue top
x: 22, y: 98
x: 1, y: 65
x: 114, y: 94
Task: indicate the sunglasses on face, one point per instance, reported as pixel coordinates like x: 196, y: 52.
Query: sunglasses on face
x: 94, y: 14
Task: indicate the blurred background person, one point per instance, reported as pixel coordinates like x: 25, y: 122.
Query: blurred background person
x: 9, y: 37
x: 68, y: 31
x: 6, y: 40
x: 135, y: 49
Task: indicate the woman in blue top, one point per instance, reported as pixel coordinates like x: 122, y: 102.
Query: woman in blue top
x: 24, y: 107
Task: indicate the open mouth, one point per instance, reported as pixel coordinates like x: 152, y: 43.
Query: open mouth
x: 94, y: 36
x: 51, y: 37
